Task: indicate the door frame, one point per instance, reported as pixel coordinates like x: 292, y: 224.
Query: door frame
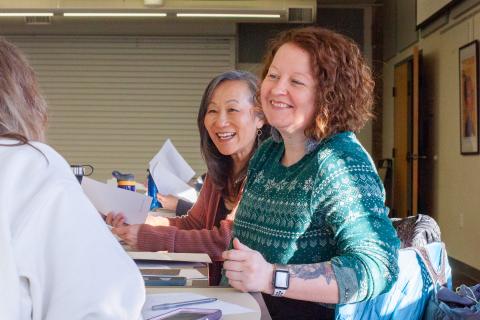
x: 401, y: 204
x: 417, y: 140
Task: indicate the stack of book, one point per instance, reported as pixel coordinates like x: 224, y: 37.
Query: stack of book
x: 172, y: 269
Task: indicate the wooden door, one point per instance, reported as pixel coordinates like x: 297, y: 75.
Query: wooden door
x: 409, y: 143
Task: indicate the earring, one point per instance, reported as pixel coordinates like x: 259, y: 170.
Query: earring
x: 259, y: 134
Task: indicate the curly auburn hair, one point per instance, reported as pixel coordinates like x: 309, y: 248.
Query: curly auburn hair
x: 344, y: 82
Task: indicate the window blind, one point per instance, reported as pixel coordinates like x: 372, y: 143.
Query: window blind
x: 114, y: 100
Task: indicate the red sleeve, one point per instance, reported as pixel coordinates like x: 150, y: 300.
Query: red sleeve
x: 212, y: 242
x: 190, y: 233
x: 195, y: 218
x: 159, y: 238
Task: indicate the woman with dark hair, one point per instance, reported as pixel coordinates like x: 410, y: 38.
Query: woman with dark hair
x: 312, y: 225
x: 230, y: 127
x: 48, y: 268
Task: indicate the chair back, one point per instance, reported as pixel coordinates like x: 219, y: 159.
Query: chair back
x: 420, y: 269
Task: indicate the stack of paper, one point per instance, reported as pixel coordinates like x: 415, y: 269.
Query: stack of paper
x: 107, y: 198
x: 171, y: 173
x: 191, y: 266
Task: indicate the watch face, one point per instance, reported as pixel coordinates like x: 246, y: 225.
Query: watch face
x: 281, y: 279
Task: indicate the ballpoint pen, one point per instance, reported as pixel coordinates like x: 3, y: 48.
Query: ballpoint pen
x: 165, y: 306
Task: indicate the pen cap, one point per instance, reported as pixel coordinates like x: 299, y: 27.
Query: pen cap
x: 124, y: 180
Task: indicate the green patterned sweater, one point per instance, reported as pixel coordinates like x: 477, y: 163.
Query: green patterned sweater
x: 327, y: 206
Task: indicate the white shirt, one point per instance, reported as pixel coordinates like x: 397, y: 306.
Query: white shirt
x: 58, y: 260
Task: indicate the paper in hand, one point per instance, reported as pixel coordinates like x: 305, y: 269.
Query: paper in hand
x: 106, y: 198
x: 171, y: 173
x: 168, y: 183
x: 171, y: 160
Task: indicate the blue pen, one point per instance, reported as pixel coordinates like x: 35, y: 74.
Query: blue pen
x: 165, y: 306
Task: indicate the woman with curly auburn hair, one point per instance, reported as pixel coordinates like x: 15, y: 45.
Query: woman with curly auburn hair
x: 312, y: 225
x: 344, y: 83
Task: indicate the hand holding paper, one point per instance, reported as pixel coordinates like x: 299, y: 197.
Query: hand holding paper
x: 129, y: 234
x: 107, y: 198
x: 171, y: 173
x: 171, y: 160
x: 168, y: 183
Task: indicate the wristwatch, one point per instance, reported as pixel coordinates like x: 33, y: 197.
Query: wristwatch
x: 280, y: 280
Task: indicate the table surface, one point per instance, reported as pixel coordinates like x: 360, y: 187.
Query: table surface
x: 250, y: 301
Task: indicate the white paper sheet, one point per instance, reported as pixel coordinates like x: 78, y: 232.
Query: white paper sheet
x: 189, y: 274
x: 169, y: 183
x: 167, y: 265
x: 107, y: 198
x: 171, y: 160
x: 170, y: 256
x: 154, y: 299
x: 192, y: 274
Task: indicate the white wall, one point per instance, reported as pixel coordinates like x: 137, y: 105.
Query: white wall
x: 456, y: 178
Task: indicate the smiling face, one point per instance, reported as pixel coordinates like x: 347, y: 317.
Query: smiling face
x: 231, y: 121
x: 288, y: 91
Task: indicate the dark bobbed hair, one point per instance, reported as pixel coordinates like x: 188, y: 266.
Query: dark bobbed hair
x: 344, y: 82
x: 220, y: 167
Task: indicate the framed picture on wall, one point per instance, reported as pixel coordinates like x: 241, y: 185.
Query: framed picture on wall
x: 469, y: 86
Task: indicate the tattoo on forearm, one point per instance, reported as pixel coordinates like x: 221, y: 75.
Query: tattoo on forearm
x: 313, y: 271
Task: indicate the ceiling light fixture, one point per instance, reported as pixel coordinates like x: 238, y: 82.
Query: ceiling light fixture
x: 113, y: 14
x: 228, y: 15
x: 26, y: 14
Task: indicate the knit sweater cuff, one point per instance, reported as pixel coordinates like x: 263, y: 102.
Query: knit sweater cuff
x: 159, y: 238
x: 347, y: 284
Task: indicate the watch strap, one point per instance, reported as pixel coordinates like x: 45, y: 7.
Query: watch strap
x: 279, y: 292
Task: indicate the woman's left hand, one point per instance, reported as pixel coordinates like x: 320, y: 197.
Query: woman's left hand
x: 168, y: 201
x: 247, y: 270
x: 129, y: 234
x: 115, y: 219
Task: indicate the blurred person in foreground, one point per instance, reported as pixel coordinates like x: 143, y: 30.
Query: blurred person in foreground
x: 49, y: 268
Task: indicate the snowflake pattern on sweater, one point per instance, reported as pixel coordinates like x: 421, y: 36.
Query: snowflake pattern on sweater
x: 329, y: 206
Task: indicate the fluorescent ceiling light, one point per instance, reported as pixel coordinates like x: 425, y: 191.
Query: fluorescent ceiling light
x: 26, y: 14
x: 113, y: 14
x: 228, y: 15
